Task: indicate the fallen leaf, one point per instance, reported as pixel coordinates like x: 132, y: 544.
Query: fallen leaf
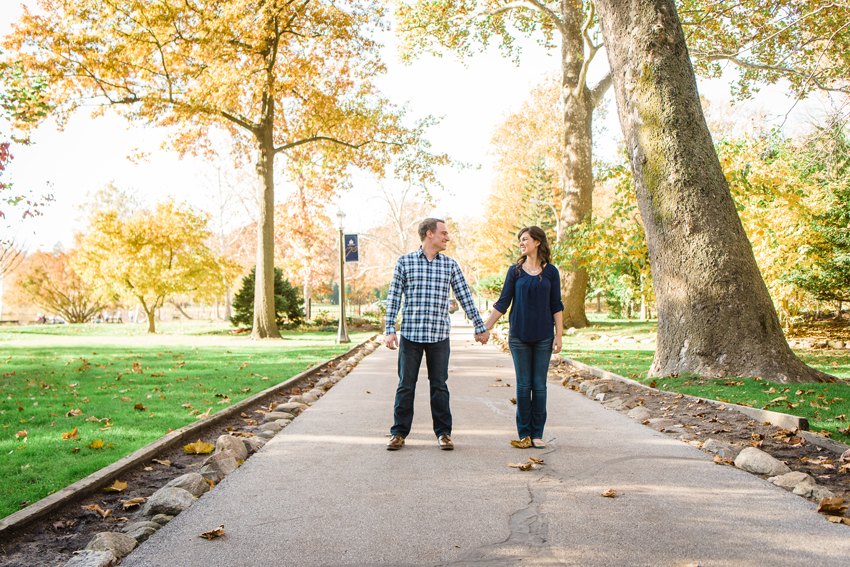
x: 137, y: 367
x: 117, y: 486
x: 74, y: 412
x: 71, y: 434
x: 536, y: 461
x: 100, y: 511
x: 62, y: 524
x: 521, y: 466
x: 139, y: 407
x: 610, y: 493
x: 199, y: 447
x: 214, y: 533
x: 205, y: 414
x: 96, y: 444
x: 165, y: 462
x: 513, y: 401
x: 522, y: 444
x: 832, y: 505
x: 132, y: 502
x: 126, y: 399
x: 75, y: 450
x: 653, y: 384
x: 20, y: 434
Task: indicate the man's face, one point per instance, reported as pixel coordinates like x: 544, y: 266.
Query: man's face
x: 440, y: 238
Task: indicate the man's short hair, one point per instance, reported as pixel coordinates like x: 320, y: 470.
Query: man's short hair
x: 428, y: 225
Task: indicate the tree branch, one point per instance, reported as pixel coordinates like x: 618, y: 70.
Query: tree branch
x: 535, y: 5
x: 333, y: 140
x: 597, y: 93
x: 591, y: 51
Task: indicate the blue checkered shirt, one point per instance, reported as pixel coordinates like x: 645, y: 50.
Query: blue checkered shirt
x: 425, y: 286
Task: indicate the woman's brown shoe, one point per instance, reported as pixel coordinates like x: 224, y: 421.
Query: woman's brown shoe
x: 396, y: 443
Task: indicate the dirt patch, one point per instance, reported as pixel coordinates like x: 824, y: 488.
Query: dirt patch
x: 52, y: 540
x: 695, y: 422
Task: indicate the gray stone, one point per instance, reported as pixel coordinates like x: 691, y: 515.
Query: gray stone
x: 162, y: 519
x: 299, y: 399
x: 310, y: 398
x: 805, y: 487
x: 661, y: 422
x: 120, y: 545
x: 142, y: 533
x: 273, y: 426
x: 252, y: 444
x: 628, y: 340
x: 647, y: 341
x: 266, y: 434
x: 231, y: 443
x: 835, y: 344
x: 615, y: 404
x: 821, y: 492
x: 276, y: 415
x: 725, y: 450
x: 193, y: 483
x: 756, y: 461
x: 639, y: 413
x: 596, y: 389
x: 219, y: 465
x: 168, y: 500
x: 89, y: 558
x: 601, y: 397
x: 845, y: 456
x: 790, y: 480
x: 294, y: 408
x: 326, y: 380
x: 143, y: 524
x: 571, y: 331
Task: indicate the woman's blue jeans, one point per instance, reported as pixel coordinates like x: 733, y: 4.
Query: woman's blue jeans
x: 531, y: 363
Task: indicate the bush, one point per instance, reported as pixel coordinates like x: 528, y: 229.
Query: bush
x: 287, y: 302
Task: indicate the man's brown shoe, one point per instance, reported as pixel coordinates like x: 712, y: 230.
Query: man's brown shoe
x: 396, y: 443
x: 445, y: 443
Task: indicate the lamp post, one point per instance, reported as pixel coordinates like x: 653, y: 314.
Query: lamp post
x: 342, y: 332
x: 554, y: 212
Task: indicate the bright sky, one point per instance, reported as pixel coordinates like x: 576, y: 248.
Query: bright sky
x: 471, y: 100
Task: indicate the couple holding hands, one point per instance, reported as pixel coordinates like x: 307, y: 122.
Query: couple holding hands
x: 425, y: 278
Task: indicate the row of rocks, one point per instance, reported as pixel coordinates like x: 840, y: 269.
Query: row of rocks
x: 750, y: 459
x: 106, y: 549
x: 818, y: 343
x: 610, y: 339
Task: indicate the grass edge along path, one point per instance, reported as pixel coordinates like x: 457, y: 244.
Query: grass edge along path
x: 70, y: 409
x: 104, y: 476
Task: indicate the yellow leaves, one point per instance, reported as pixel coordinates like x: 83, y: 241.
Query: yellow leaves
x: 125, y: 504
x: 116, y: 486
x: 100, y: 511
x: 71, y: 434
x: 96, y: 444
x: 199, y: 447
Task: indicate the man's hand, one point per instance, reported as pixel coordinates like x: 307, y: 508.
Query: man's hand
x: 483, y: 337
x: 556, y: 345
x: 391, y: 341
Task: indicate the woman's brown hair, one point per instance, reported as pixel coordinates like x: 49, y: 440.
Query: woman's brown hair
x: 543, y: 251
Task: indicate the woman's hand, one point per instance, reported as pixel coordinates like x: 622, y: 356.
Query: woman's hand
x: 556, y: 345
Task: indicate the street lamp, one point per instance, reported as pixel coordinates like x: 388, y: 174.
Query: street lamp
x: 554, y: 212
x: 342, y: 332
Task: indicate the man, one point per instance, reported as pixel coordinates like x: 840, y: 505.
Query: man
x: 424, y: 278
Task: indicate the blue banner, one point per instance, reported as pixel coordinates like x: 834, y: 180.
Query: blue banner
x: 352, y: 249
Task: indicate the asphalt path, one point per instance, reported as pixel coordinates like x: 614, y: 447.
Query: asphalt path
x: 325, y: 492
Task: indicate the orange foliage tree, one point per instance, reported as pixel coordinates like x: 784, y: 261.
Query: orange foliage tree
x: 276, y: 74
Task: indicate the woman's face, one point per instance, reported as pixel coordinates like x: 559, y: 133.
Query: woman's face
x: 527, y: 245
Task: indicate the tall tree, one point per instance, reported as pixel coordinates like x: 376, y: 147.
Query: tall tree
x: 715, y: 316
x: 276, y: 74
x: 461, y: 24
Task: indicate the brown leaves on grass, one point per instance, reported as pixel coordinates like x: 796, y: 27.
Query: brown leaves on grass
x: 139, y: 407
x: 214, y: 533
x: 205, y: 414
x: 71, y: 434
x: 117, y: 486
x: 96, y: 444
x: 74, y: 412
x: 20, y: 434
x: 199, y: 447
x: 137, y: 368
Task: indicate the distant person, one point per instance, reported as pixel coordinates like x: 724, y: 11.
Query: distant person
x: 533, y: 285
x: 425, y: 278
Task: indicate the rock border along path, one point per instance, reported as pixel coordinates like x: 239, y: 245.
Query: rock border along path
x: 104, y: 476
x: 325, y: 492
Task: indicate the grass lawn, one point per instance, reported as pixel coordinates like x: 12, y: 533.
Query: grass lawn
x: 826, y: 406
x: 118, y: 385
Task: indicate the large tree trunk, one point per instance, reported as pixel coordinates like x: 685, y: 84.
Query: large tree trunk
x: 715, y: 316
x: 577, y: 195
x: 264, y: 323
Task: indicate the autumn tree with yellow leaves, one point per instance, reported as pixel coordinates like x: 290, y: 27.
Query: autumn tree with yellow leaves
x: 276, y: 74
x: 152, y: 257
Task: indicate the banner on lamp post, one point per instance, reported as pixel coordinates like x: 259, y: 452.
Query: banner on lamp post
x: 352, y: 248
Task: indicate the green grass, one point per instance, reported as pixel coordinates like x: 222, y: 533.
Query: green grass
x: 48, y: 371
x: 826, y: 406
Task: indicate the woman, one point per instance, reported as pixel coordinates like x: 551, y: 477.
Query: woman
x: 533, y: 284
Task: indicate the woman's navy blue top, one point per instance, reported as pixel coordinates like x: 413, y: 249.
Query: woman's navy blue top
x: 535, y: 299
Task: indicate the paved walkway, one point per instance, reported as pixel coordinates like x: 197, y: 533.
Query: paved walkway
x: 325, y: 492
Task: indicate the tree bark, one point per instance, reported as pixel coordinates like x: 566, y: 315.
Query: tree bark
x: 715, y: 316
x: 265, y: 326
x: 180, y: 309
x: 577, y: 190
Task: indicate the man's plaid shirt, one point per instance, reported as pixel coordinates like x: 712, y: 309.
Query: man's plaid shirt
x: 425, y: 285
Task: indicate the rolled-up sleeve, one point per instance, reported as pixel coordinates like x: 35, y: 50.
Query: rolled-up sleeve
x: 555, y: 291
x: 507, y: 295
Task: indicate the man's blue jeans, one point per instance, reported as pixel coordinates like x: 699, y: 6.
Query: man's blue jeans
x: 409, y: 360
x: 531, y: 363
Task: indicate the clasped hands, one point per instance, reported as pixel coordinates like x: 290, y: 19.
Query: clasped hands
x: 483, y: 337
